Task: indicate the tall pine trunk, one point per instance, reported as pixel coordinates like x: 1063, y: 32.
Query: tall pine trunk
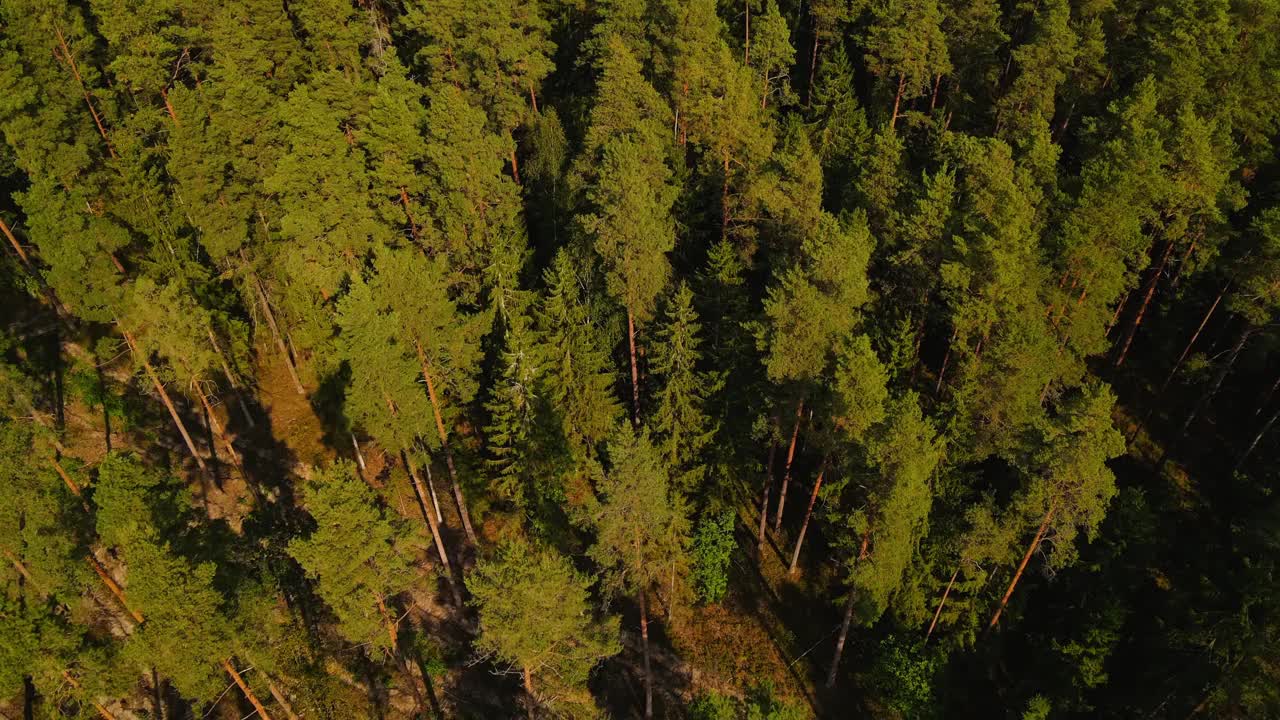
x: 1220, y: 377
x: 70, y: 60
x: 168, y: 403
x: 848, y: 617
x: 840, y: 639
x: 786, y: 472
x: 1257, y: 438
x: 1026, y: 558
x: 813, y: 67
x: 444, y: 445
x: 528, y: 688
x: 644, y: 643
x: 1194, y: 336
x: 938, y: 613
x: 244, y: 688
x: 808, y: 513
x: 114, y: 587
x: 764, y: 497
x: 635, y: 370
x: 279, y: 338
x: 231, y: 378
x: 281, y: 699
x: 435, y: 530
x: 897, y: 100
x: 17, y: 247
x: 1146, y: 301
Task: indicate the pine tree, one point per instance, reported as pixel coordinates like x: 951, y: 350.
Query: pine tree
x: 536, y: 615
x: 358, y: 556
x: 641, y: 529
x: 681, y: 426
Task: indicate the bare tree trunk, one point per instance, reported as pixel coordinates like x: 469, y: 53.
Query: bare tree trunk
x: 388, y: 622
x: 644, y: 642
x: 764, y: 498
x: 938, y: 613
x: 808, y: 513
x: 105, y: 713
x: 844, y: 633
x: 1026, y: 558
x: 231, y: 377
x: 528, y: 688
x: 746, y: 35
x: 444, y: 444
x: 431, y: 488
x: 17, y: 247
x: 355, y: 444
x: 75, y: 71
x: 946, y: 359
x: 168, y: 106
x: 635, y: 370
x: 113, y: 587
x: 218, y: 429
x: 281, y: 699
x: 813, y: 67
x: 1146, y: 301
x: 168, y: 403
x: 1194, y: 336
x: 897, y: 99
x: 404, y: 200
x: 1257, y: 438
x: 435, y: 530
x: 786, y: 473
x: 244, y: 688
x: 71, y: 484
x: 275, y: 333
x: 515, y: 167
x: 1119, y: 311
x: 1220, y: 377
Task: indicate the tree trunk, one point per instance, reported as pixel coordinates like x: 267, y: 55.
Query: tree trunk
x: 724, y: 199
x: 533, y: 99
x: 218, y: 429
x: 435, y: 530
x: 168, y: 106
x: 1257, y: 438
x: 75, y: 71
x: 105, y: 713
x: 937, y: 83
x: 528, y: 688
x: 938, y: 613
x: 1119, y: 311
x: 808, y: 513
x: 764, y: 498
x: 71, y: 484
x: 281, y: 700
x: 244, y: 688
x: 168, y: 403
x: 635, y: 370
x: 431, y: 488
x: 444, y: 445
x: 17, y: 247
x: 813, y: 66
x: 644, y: 642
x: 1220, y: 377
x: 897, y: 99
x: 1026, y: 558
x: 515, y: 167
x: 388, y: 622
x: 404, y: 200
x: 946, y: 359
x: 113, y: 587
x: 355, y: 444
x: 231, y: 378
x: 786, y: 472
x: 1267, y: 397
x: 844, y: 633
x: 1194, y: 336
x: 275, y: 333
x: 746, y: 35
x: 1146, y: 301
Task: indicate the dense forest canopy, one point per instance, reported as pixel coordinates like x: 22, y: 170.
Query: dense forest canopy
x: 639, y: 358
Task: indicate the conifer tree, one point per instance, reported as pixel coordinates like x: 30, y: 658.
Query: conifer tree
x: 535, y: 614
x: 680, y: 422
x: 641, y: 528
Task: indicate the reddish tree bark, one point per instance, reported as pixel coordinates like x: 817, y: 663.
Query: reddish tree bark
x: 444, y: 445
x: 17, y: 247
x: 244, y: 688
x: 938, y: 613
x: 1194, y: 336
x: 70, y: 60
x: 786, y: 473
x: 635, y: 370
x: 1146, y: 301
x: 808, y: 513
x: 1026, y: 558
x: 644, y: 642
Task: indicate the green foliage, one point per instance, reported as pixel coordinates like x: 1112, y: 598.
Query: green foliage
x: 357, y: 555
x: 536, y: 615
x: 904, y: 675
x: 713, y: 546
